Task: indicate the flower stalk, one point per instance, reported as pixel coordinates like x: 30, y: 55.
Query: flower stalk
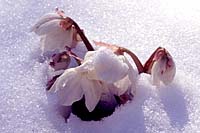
x: 149, y: 63
x: 83, y: 37
x: 134, y: 58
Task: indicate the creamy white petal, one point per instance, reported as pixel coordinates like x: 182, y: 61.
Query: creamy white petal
x: 68, y: 87
x: 121, y: 86
x: 128, y: 83
x: 89, y: 56
x: 47, y: 17
x: 108, y: 66
x: 57, y: 40
x: 133, y: 77
x: 85, y: 67
x: 61, y: 81
x: 53, y: 36
x: 155, y: 74
x: 161, y: 72
x: 70, y: 94
x: 92, y: 92
x: 48, y: 27
x: 88, y: 66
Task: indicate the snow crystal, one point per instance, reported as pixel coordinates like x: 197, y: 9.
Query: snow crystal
x: 141, y: 26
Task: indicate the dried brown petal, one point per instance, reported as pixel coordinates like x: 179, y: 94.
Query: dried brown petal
x: 60, y: 61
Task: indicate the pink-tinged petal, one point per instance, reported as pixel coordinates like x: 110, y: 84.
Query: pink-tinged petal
x: 168, y: 76
x: 46, y: 18
x: 163, y: 69
x: 92, y: 91
x: 68, y: 87
x: 108, y: 66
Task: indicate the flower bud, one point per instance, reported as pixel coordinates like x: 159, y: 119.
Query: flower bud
x: 161, y: 66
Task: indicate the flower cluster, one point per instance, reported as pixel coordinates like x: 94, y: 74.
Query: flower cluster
x: 104, y: 78
x: 100, y: 72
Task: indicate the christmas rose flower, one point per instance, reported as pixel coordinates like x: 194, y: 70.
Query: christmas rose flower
x: 58, y: 32
x: 101, y: 72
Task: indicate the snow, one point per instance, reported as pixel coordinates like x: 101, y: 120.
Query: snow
x: 139, y: 25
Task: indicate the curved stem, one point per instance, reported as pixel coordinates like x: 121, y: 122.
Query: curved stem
x: 135, y: 59
x: 83, y: 37
x: 149, y: 63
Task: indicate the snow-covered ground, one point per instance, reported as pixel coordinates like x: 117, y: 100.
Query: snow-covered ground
x: 142, y: 26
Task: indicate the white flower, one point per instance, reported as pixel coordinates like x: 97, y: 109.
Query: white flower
x: 163, y: 67
x: 101, y: 72
x: 56, y: 32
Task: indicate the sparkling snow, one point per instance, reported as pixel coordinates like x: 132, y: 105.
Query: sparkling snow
x: 140, y: 25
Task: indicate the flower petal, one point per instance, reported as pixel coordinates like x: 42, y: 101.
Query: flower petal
x: 68, y: 87
x: 168, y: 76
x: 133, y: 77
x: 53, y: 35
x: 128, y: 83
x: 57, y: 40
x: 88, y: 66
x: 108, y: 66
x: 162, y: 72
x: 47, y: 17
x: 121, y: 86
x: 155, y: 73
x: 48, y: 27
x: 92, y: 91
x: 89, y: 56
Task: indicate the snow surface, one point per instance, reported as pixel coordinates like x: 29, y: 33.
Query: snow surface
x: 140, y: 25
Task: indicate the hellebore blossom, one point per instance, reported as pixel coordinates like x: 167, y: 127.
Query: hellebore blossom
x: 104, y: 79
x: 58, y: 32
x: 101, y: 72
x: 161, y: 67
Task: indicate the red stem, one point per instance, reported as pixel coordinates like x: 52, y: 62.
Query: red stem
x: 135, y: 59
x: 83, y: 37
x: 149, y: 63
